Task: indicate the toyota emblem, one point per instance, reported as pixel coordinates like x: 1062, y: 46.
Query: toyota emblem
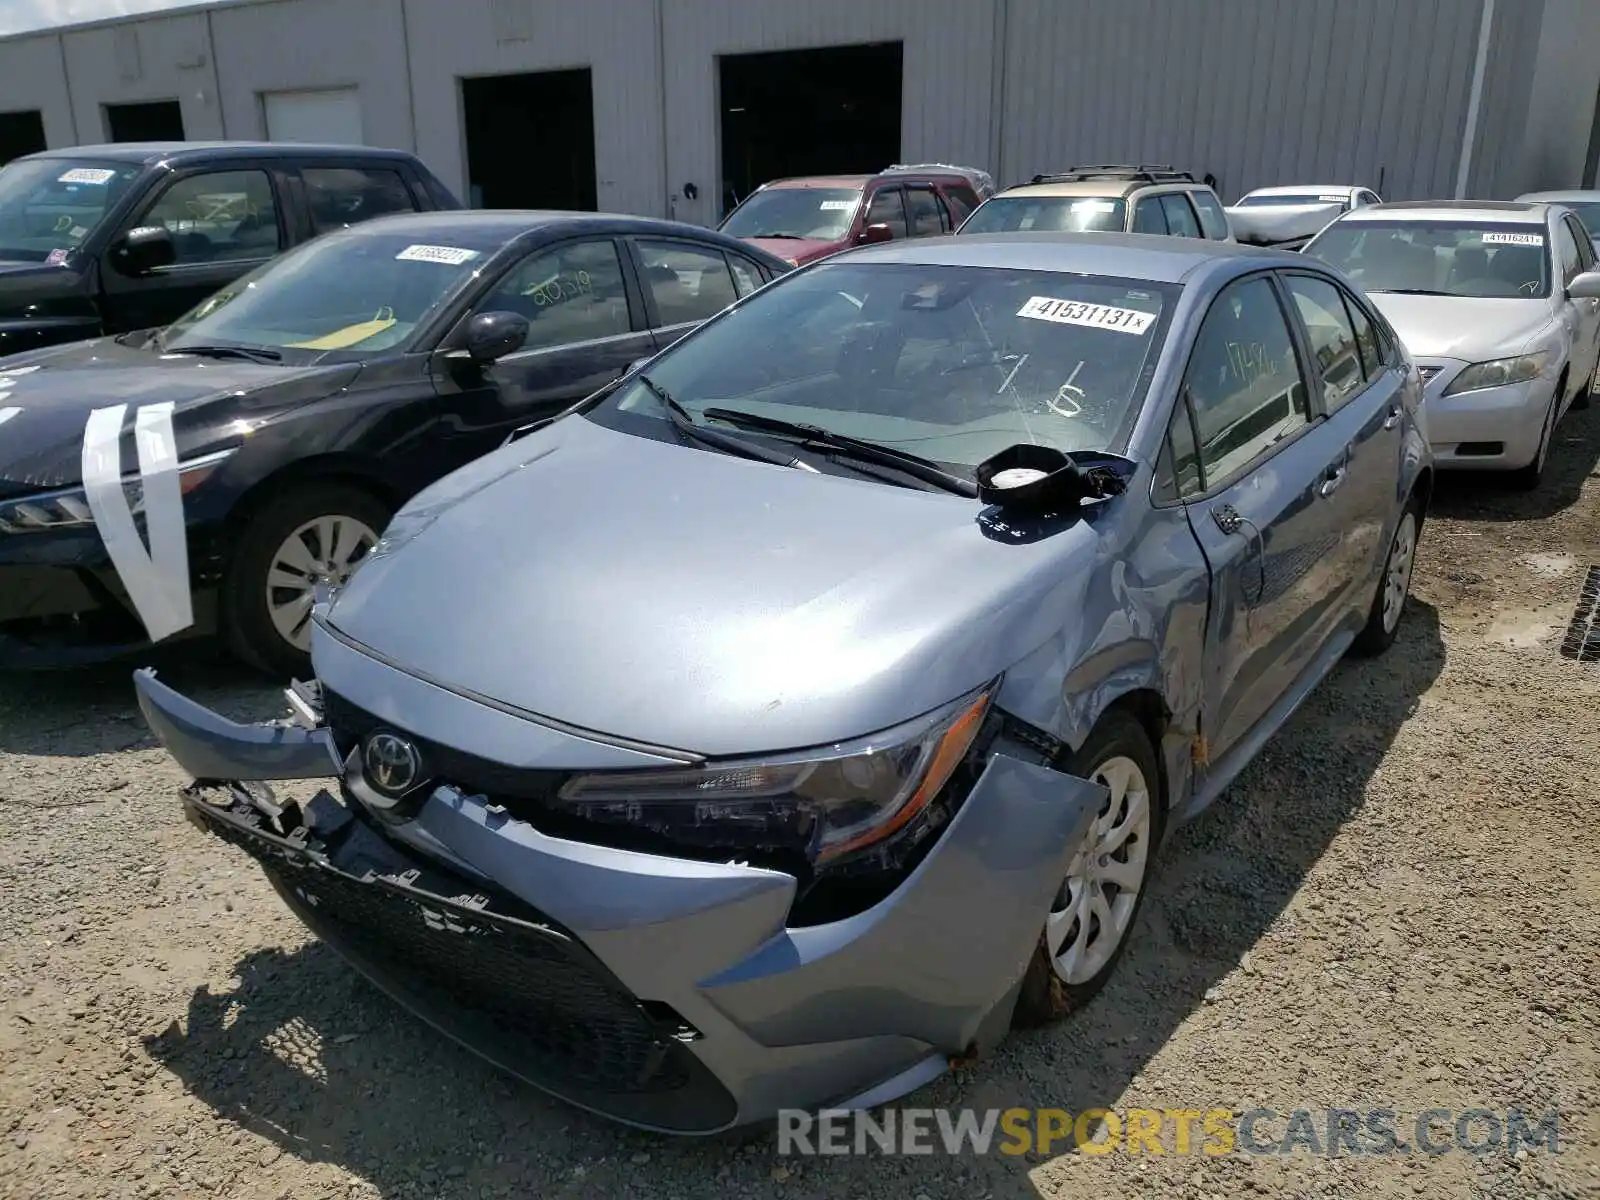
x: 392, y: 764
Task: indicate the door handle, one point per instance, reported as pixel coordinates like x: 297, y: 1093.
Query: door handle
x: 1393, y: 419
x: 1330, y: 485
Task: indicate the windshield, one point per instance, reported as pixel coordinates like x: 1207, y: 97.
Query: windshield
x: 1588, y: 213
x: 49, y: 205
x: 1076, y: 214
x: 800, y: 212
x: 1282, y: 201
x: 1443, y: 258
x: 953, y: 364
x: 356, y: 290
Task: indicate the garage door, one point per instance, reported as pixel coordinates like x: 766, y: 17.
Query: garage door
x: 330, y: 117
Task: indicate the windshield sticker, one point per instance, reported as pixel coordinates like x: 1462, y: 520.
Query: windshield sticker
x: 1094, y: 206
x: 95, y: 175
x: 56, y: 258
x: 451, y: 256
x: 1513, y: 239
x: 837, y: 205
x: 1096, y: 316
x: 1331, y: 199
x: 9, y: 377
x: 7, y: 413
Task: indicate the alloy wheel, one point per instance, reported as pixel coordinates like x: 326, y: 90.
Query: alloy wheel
x: 323, y: 550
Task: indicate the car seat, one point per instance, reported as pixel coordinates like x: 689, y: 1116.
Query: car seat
x: 1514, y: 267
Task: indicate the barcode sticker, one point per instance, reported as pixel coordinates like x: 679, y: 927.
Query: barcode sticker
x: 87, y: 175
x: 452, y: 256
x: 837, y: 205
x: 1513, y: 239
x: 1332, y: 199
x: 1095, y: 316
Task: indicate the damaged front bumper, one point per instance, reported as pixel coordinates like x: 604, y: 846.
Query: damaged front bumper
x: 664, y: 992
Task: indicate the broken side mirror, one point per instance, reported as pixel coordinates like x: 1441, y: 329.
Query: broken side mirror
x: 143, y: 250
x: 493, y: 335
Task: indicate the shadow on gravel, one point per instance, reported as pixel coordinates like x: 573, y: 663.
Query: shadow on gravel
x: 1488, y: 496
x: 304, y: 1053
x: 93, y: 710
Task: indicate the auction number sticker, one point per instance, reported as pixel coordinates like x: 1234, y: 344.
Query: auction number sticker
x: 1096, y: 316
x: 1513, y: 239
x: 452, y: 256
x: 1332, y: 199
x: 95, y: 175
x: 837, y: 205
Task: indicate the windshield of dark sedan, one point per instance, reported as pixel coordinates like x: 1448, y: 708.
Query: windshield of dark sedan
x: 1076, y: 214
x: 823, y: 213
x: 48, y: 206
x: 355, y: 290
x: 1442, y: 258
x: 1284, y: 201
x: 950, y: 363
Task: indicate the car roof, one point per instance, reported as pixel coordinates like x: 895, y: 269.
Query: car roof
x: 827, y: 181
x: 1115, y: 189
x: 1587, y: 194
x: 179, y: 152
x: 1158, y: 258
x: 1503, y: 211
x: 1306, y: 189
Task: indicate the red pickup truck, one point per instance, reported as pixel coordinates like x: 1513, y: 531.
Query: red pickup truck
x: 812, y: 216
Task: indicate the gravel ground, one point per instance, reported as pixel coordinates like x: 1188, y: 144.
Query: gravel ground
x: 1397, y: 906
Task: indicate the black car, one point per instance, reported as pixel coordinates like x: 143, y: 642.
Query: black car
x: 106, y: 239
x: 208, y: 475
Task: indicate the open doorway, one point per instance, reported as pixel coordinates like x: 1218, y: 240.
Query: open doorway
x: 20, y: 133
x: 530, y: 140
x: 834, y: 110
x: 156, y: 121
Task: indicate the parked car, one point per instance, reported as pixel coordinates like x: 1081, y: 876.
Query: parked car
x: 299, y: 405
x: 1289, y: 217
x: 1111, y: 199
x: 1499, y: 303
x: 107, y: 239
x: 810, y: 217
x: 1585, y: 203
x: 785, y: 725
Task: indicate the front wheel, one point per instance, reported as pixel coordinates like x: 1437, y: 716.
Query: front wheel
x: 1092, y: 913
x: 316, y: 533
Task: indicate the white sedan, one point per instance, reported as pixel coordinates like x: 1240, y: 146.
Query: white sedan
x: 1499, y: 306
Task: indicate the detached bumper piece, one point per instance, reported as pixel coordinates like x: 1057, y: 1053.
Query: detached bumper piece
x: 484, y: 968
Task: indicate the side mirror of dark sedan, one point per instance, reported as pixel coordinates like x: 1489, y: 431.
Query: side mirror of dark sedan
x: 143, y: 250
x: 875, y: 233
x: 1585, y: 286
x: 493, y: 335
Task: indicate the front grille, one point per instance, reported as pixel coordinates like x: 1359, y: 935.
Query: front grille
x: 491, y: 972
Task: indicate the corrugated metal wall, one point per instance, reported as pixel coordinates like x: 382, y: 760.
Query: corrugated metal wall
x: 1255, y: 91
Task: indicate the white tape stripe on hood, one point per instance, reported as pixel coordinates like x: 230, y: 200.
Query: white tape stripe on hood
x: 7, y: 413
x: 157, y: 580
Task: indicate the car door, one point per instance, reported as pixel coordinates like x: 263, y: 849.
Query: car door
x: 924, y: 215
x: 1362, y: 401
x: 683, y: 283
x: 1148, y: 216
x: 1586, y: 342
x: 586, y: 326
x: 224, y: 222
x: 1181, y: 219
x: 1254, y: 463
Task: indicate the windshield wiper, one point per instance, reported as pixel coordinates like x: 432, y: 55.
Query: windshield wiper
x: 253, y: 353
x: 689, y: 428
x: 791, y: 237
x: 910, y: 464
x: 1412, y: 292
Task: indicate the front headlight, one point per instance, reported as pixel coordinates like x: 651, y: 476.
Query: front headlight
x: 1499, y: 372
x: 835, y: 801
x: 69, y: 509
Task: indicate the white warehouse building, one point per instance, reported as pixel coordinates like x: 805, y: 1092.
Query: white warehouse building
x: 678, y: 107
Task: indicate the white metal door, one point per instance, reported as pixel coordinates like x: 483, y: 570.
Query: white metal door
x: 330, y: 117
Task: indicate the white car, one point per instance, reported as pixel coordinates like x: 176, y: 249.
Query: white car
x: 1585, y: 203
x: 1291, y: 215
x: 1499, y: 306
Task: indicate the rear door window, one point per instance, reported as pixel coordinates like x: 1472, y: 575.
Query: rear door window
x: 963, y: 200
x: 688, y: 283
x: 1332, y: 336
x: 339, y: 197
x: 922, y: 207
x: 1212, y: 219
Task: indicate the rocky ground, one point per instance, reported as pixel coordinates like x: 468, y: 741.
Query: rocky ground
x: 1397, y: 907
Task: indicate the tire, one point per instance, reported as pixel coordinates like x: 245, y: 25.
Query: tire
x: 1388, y: 609
x: 248, y: 622
x: 1048, y: 994
x: 1528, y: 478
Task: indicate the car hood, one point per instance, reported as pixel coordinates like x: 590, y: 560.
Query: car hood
x: 696, y: 601
x: 795, y: 250
x: 47, y: 395
x: 1469, y: 328
x: 1272, y: 224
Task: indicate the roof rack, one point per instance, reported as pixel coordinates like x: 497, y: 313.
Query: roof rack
x: 1142, y: 172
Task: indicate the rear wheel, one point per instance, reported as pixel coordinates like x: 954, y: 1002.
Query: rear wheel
x: 1383, y: 621
x: 1091, y: 915
x: 317, y: 533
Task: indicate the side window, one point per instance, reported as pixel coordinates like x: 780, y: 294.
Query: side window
x: 1180, y: 217
x: 1584, y: 243
x: 922, y: 207
x: 1332, y: 337
x: 1147, y: 217
x: 1244, y: 380
x: 1376, y: 354
x: 1212, y: 219
x: 886, y: 209
x: 962, y: 201
x: 1566, y: 252
x: 689, y: 283
x: 220, y: 216
x: 572, y: 293
x: 747, y: 277
x: 342, y: 196
x: 1185, y: 457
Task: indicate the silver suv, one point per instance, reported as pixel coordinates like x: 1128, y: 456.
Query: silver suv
x: 1106, y: 199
